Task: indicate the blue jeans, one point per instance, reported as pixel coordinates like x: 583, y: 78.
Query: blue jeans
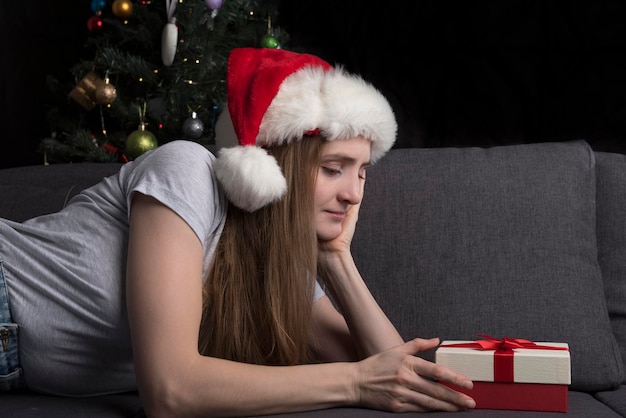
x: 11, y: 376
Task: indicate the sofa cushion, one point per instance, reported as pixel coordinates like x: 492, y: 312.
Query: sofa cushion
x: 580, y: 405
x: 611, y: 230
x: 616, y: 399
x: 457, y: 242
x: 33, y: 405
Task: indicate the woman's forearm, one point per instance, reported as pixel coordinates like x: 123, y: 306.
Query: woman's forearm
x: 389, y: 381
x: 208, y: 386
x: 370, y: 328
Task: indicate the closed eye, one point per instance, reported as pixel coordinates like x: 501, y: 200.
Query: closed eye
x: 331, y: 171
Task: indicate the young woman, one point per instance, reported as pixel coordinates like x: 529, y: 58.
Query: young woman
x: 202, y: 282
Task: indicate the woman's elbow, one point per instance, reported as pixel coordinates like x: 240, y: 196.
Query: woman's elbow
x: 165, y: 399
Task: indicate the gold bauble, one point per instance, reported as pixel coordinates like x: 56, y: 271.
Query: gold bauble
x: 106, y: 94
x: 140, y: 141
x: 122, y: 8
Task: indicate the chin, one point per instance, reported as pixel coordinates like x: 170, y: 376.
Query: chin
x: 328, y: 234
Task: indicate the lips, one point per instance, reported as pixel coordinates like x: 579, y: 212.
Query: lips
x: 337, y: 216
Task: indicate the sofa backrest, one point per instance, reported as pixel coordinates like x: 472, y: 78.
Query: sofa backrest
x: 456, y: 242
x: 611, y: 231
x: 460, y: 241
x: 36, y: 190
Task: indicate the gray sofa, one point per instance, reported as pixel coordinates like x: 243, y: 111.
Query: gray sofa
x: 523, y: 241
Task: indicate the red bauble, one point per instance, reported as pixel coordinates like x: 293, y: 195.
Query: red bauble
x: 94, y: 24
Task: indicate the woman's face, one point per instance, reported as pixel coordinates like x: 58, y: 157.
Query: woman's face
x: 339, y: 185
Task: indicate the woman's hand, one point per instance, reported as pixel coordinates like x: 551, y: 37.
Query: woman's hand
x: 398, y: 381
x: 343, y: 241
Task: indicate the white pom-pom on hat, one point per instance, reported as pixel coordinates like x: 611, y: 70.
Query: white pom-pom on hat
x: 250, y: 176
x: 276, y: 97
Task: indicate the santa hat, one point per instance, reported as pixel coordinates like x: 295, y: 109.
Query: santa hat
x: 277, y: 96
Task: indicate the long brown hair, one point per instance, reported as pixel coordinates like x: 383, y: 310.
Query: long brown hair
x: 258, y: 295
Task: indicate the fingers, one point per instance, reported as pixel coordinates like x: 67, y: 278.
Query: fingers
x: 428, y: 375
x: 429, y: 392
x: 429, y: 369
x: 433, y: 396
x: 439, y: 373
x: 417, y: 345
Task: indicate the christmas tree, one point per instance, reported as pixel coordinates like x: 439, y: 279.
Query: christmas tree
x: 156, y: 72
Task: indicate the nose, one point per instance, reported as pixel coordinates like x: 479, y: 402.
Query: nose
x: 352, y: 190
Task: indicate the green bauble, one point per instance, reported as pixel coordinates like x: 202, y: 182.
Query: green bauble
x: 268, y: 41
x: 140, y: 141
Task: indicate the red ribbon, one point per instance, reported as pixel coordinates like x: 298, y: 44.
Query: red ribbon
x: 503, y: 357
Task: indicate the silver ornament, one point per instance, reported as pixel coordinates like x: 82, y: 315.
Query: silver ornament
x: 193, y: 126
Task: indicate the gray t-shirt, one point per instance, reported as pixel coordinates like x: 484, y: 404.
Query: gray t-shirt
x: 65, y: 272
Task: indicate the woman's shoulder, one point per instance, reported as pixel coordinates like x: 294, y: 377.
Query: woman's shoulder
x: 178, y: 157
x: 183, y: 148
x: 171, y: 165
x: 180, y: 175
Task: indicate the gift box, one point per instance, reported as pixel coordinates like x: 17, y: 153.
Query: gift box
x: 511, y: 373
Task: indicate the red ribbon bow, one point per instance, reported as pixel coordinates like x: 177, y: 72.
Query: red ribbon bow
x: 503, y: 356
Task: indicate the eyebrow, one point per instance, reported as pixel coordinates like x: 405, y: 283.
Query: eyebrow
x: 343, y: 157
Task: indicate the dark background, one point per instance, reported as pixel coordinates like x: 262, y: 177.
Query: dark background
x: 37, y: 38
x: 457, y: 73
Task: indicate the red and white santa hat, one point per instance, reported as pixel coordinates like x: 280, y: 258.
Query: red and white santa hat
x: 277, y: 96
